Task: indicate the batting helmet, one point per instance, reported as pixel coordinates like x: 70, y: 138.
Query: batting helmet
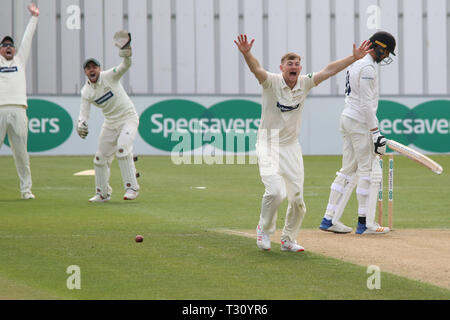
x: 382, y: 40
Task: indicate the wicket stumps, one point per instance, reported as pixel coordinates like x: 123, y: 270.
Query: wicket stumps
x: 390, y: 193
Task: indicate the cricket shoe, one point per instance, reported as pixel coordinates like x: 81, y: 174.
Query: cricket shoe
x: 292, y: 246
x: 338, y: 227
x: 376, y: 229
x: 262, y: 239
x: 99, y: 198
x: 27, y: 196
x: 130, y: 194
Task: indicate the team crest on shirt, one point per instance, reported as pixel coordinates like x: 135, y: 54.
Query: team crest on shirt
x: 104, y: 98
x: 309, y: 75
x: 284, y: 108
x: 8, y: 69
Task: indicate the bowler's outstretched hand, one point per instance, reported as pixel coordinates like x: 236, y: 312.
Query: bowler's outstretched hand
x: 364, y: 48
x: 34, y: 10
x: 242, y: 43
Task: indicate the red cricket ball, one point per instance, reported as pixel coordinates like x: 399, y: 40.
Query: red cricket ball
x: 139, y: 238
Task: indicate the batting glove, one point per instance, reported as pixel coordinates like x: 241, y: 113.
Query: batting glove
x: 379, y: 142
x: 82, y: 129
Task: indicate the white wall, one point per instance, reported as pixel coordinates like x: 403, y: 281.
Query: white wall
x: 186, y: 46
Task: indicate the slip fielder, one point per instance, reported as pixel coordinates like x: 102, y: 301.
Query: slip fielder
x: 104, y: 90
x: 13, y: 100
x: 278, y: 150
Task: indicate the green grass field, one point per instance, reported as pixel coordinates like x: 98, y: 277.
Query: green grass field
x: 182, y: 257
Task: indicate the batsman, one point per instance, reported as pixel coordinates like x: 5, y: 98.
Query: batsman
x: 362, y: 142
x: 104, y: 90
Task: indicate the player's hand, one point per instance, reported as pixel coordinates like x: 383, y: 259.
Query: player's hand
x: 379, y: 142
x: 33, y: 9
x: 122, y: 39
x: 125, y: 52
x: 364, y: 48
x: 242, y: 43
x: 82, y: 129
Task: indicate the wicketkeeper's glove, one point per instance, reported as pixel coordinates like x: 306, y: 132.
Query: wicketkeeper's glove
x: 379, y: 142
x: 125, y: 52
x: 82, y: 129
x: 122, y: 40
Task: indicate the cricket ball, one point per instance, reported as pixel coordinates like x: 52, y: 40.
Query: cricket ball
x: 139, y: 238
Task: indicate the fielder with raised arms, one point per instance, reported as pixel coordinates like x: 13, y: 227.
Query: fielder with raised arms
x: 13, y: 100
x: 362, y: 141
x: 104, y: 90
x: 278, y: 150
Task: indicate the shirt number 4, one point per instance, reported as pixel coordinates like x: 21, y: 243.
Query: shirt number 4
x: 347, y: 84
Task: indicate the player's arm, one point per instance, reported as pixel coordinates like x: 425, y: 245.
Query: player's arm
x: 83, y: 118
x: 120, y: 70
x: 245, y: 48
x: 339, y: 65
x: 122, y: 40
x: 25, y: 46
x: 368, y: 103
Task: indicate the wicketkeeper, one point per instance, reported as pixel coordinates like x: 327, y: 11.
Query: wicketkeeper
x: 13, y: 100
x: 104, y: 90
x: 278, y: 149
x: 362, y: 143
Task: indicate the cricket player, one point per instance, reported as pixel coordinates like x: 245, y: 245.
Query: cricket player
x: 278, y: 150
x: 13, y: 100
x: 104, y: 90
x: 362, y: 142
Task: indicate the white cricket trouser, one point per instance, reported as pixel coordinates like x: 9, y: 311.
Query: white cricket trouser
x: 357, y: 157
x: 358, y: 149
x: 282, y: 173
x: 111, y: 137
x: 14, y: 122
x: 111, y: 140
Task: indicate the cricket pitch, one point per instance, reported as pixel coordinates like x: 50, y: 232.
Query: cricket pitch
x: 420, y: 254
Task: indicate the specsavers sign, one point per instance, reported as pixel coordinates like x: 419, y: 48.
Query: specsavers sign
x: 183, y: 125
x: 426, y: 126
x: 222, y: 124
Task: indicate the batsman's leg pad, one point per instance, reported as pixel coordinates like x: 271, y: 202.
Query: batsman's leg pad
x: 349, y: 183
x: 127, y: 168
x: 375, y: 178
x: 362, y: 194
x: 101, y: 175
x: 337, y: 189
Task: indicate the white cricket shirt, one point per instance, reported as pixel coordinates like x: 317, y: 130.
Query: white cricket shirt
x: 362, y: 93
x: 282, y: 107
x: 109, y: 95
x: 13, y: 84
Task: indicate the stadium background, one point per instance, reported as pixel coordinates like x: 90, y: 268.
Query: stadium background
x: 183, y: 49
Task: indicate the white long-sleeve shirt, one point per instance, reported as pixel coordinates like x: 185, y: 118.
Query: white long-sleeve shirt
x: 109, y: 95
x: 13, y: 84
x: 282, y: 108
x: 361, y: 102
